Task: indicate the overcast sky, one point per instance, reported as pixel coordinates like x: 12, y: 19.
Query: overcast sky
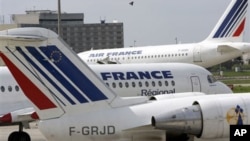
x: 148, y: 22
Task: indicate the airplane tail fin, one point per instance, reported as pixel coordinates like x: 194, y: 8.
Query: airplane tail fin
x: 52, y: 76
x: 232, y: 23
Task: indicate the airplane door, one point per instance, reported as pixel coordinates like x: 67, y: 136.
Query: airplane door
x: 195, y: 82
x: 197, y: 54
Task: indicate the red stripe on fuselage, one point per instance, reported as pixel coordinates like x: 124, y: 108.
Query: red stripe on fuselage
x: 239, y: 29
x: 29, y: 89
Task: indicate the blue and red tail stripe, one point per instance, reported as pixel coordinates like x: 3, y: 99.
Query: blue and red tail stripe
x: 65, y: 73
x: 73, y: 73
x: 47, y: 78
x: 234, y: 22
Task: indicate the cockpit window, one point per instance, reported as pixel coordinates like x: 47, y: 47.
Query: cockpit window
x: 211, y: 79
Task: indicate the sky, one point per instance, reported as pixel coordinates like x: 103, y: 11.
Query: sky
x: 147, y: 22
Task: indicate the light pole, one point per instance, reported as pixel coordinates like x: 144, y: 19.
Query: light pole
x: 59, y: 18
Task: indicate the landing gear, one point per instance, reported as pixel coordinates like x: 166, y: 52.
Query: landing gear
x: 19, y: 135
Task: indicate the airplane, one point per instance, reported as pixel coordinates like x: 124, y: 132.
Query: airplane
x: 63, y: 89
x: 130, y: 80
x: 223, y: 44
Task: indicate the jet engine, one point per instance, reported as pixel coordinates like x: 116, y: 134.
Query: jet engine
x: 207, y: 118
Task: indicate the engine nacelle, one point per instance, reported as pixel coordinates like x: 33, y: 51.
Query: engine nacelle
x: 219, y: 114
x: 207, y: 118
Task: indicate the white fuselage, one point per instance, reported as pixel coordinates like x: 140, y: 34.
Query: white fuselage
x: 204, y: 54
x: 111, y: 124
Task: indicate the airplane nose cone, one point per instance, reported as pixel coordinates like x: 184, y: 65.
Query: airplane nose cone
x: 186, y: 120
x: 223, y: 89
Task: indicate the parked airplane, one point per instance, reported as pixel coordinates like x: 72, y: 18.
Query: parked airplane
x: 207, y: 117
x: 63, y: 89
x: 125, y: 80
x: 224, y: 43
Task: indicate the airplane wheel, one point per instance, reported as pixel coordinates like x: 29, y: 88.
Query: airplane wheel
x: 19, y: 136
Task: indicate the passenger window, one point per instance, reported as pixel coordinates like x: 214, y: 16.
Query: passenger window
x: 107, y: 84
x: 140, y: 84
x: 133, y: 84
x: 159, y: 83
x: 9, y: 88
x: 113, y: 85
x: 173, y: 83
x: 166, y: 83
x: 16, y: 88
x: 126, y: 84
x: 153, y: 83
x: 2, y: 88
x: 146, y: 84
x: 120, y: 84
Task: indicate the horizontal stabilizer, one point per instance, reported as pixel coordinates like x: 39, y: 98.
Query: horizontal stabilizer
x: 22, y: 38
x: 226, y: 49
x: 26, y: 34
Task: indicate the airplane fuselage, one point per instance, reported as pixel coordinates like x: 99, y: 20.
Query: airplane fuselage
x: 204, y: 54
x: 122, y: 123
x: 157, y: 79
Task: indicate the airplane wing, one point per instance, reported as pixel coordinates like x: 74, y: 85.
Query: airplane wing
x: 107, y: 61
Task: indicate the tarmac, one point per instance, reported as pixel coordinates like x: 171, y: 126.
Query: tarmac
x: 34, y: 132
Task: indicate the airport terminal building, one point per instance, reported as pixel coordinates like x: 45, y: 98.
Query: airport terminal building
x: 73, y: 30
